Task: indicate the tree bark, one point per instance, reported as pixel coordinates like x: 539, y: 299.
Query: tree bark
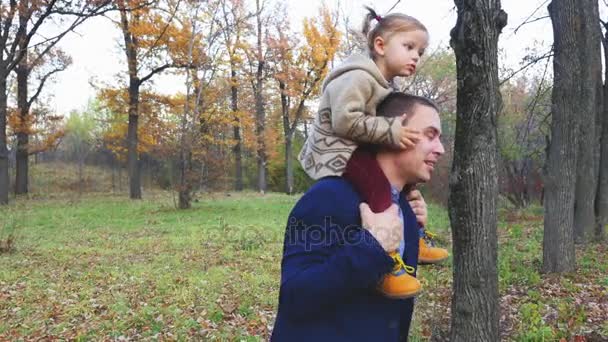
x: 601, y: 199
x: 260, y: 111
x: 22, y: 156
x: 237, y: 148
x: 4, y: 175
x: 133, y: 168
x: 132, y: 141
x: 288, y: 133
x: 560, y: 171
x: 589, y: 38
x: 474, y: 178
x: 289, y: 164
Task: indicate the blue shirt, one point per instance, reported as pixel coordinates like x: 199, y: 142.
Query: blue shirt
x: 395, y: 198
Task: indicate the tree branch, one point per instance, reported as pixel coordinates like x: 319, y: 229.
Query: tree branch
x: 534, y: 61
x: 41, y: 85
x: 530, y: 16
x: 155, y: 71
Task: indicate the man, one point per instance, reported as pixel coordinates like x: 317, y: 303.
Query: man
x: 335, y: 250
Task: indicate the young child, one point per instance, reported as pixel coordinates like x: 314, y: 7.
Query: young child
x: 347, y: 118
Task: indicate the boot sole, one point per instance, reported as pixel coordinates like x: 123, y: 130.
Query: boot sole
x: 391, y: 296
x: 431, y: 262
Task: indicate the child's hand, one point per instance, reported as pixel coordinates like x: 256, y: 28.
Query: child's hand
x: 418, y: 205
x: 409, y: 138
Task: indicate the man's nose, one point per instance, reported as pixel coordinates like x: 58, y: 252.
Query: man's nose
x: 439, y: 149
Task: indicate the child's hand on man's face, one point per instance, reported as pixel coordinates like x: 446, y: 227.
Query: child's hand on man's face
x: 409, y: 137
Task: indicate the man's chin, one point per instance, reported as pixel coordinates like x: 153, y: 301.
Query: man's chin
x: 423, y: 178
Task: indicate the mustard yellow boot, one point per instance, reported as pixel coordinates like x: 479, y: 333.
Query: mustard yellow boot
x: 428, y: 253
x: 399, y: 284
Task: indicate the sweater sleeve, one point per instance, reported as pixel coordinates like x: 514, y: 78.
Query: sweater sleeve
x: 324, y: 263
x: 348, y: 95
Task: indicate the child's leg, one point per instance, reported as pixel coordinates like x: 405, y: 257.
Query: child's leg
x: 363, y: 171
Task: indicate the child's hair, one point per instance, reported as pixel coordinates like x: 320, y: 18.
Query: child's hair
x: 386, y: 26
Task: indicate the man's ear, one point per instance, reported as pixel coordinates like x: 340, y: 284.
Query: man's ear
x: 403, y: 119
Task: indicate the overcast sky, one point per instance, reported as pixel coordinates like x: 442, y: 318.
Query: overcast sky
x: 97, y: 57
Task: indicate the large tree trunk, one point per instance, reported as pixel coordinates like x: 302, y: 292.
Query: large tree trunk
x: 288, y: 133
x: 4, y: 177
x: 132, y: 141
x: 601, y: 199
x: 560, y: 171
x: 237, y: 148
x: 133, y: 167
x: 260, y: 111
x: 589, y: 38
x: 22, y: 171
x: 289, y: 164
x: 474, y: 179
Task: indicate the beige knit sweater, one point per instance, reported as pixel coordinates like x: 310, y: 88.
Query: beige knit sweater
x: 347, y: 117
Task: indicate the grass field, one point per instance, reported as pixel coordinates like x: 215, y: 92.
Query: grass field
x: 103, y: 267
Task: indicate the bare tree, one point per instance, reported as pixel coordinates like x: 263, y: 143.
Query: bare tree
x: 21, y: 20
x: 473, y: 182
x: 560, y: 170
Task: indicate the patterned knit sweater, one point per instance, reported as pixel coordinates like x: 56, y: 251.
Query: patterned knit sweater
x: 347, y: 118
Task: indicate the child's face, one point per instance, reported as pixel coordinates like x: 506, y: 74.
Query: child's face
x: 402, y: 52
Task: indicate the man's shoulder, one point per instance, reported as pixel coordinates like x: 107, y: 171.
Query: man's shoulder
x: 329, y: 196
x: 331, y: 188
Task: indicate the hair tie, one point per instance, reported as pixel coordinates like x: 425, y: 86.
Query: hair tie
x: 378, y: 18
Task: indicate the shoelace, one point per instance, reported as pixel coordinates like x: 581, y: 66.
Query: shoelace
x: 400, y: 264
x: 429, y: 237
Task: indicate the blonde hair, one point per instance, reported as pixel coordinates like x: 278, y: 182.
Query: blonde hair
x: 387, y: 26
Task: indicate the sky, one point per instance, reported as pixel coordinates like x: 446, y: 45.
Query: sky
x: 97, y: 57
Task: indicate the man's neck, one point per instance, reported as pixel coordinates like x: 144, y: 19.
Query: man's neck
x: 394, y: 177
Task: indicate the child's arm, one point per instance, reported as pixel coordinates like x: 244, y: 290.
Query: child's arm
x: 348, y: 96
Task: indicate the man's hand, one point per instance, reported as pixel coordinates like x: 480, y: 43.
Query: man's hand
x: 418, y: 205
x: 386, y: 226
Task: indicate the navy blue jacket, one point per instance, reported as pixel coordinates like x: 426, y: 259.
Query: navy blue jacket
x: 330, y: 270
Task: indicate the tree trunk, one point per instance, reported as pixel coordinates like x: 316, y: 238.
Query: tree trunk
x: 113, y: 168
x: 80, y: 175
x: 132, y: 141
x: 289, y: 165
x: 4, y: 177
x: 237, y: 149
x: 288, y: 133
x: 260, y: 128
x: 185, y: 189
x: 601, y: 199
x: 589, y: 38
x: 560, y: 171
x: 260, y: 112
x: 22, y: 167
x: 474, y: 179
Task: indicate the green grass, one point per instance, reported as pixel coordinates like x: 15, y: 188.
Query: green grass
x: 105, y: 266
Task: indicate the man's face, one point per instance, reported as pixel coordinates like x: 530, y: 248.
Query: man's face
x: 417, y: 164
